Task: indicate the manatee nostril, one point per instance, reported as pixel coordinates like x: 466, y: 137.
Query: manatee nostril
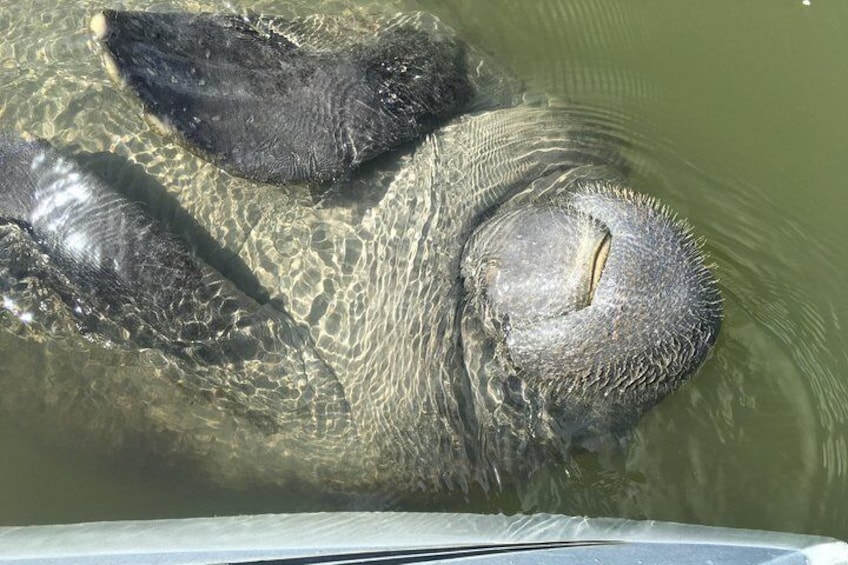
x: 533, y: 263
x: 598, y: 265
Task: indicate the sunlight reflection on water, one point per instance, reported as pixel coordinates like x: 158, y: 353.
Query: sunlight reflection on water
x: 759, y: 438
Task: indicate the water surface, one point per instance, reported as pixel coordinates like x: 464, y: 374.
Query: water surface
x: 732, y: 113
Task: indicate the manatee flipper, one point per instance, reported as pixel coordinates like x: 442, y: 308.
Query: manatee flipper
x: 90, y: 279
x: 262, y: 107
x: 122, y: 275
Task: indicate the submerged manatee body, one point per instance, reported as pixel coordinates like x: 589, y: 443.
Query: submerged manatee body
x: 487, y: 297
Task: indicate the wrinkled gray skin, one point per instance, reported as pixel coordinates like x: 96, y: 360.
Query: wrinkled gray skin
x: 486, y: 298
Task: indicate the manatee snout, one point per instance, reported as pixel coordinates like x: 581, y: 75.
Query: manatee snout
x: 600, y: 304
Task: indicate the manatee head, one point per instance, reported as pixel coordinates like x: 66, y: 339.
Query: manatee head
x: 583, y: 311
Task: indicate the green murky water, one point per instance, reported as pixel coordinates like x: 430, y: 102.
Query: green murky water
x: 733, y: 114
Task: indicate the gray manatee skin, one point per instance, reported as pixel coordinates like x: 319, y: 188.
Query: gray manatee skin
x: 500, y: 297
x: 264, y: 104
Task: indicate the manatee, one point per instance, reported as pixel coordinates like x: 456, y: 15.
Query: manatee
x: 479, y: 294
x: 263, y: 102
